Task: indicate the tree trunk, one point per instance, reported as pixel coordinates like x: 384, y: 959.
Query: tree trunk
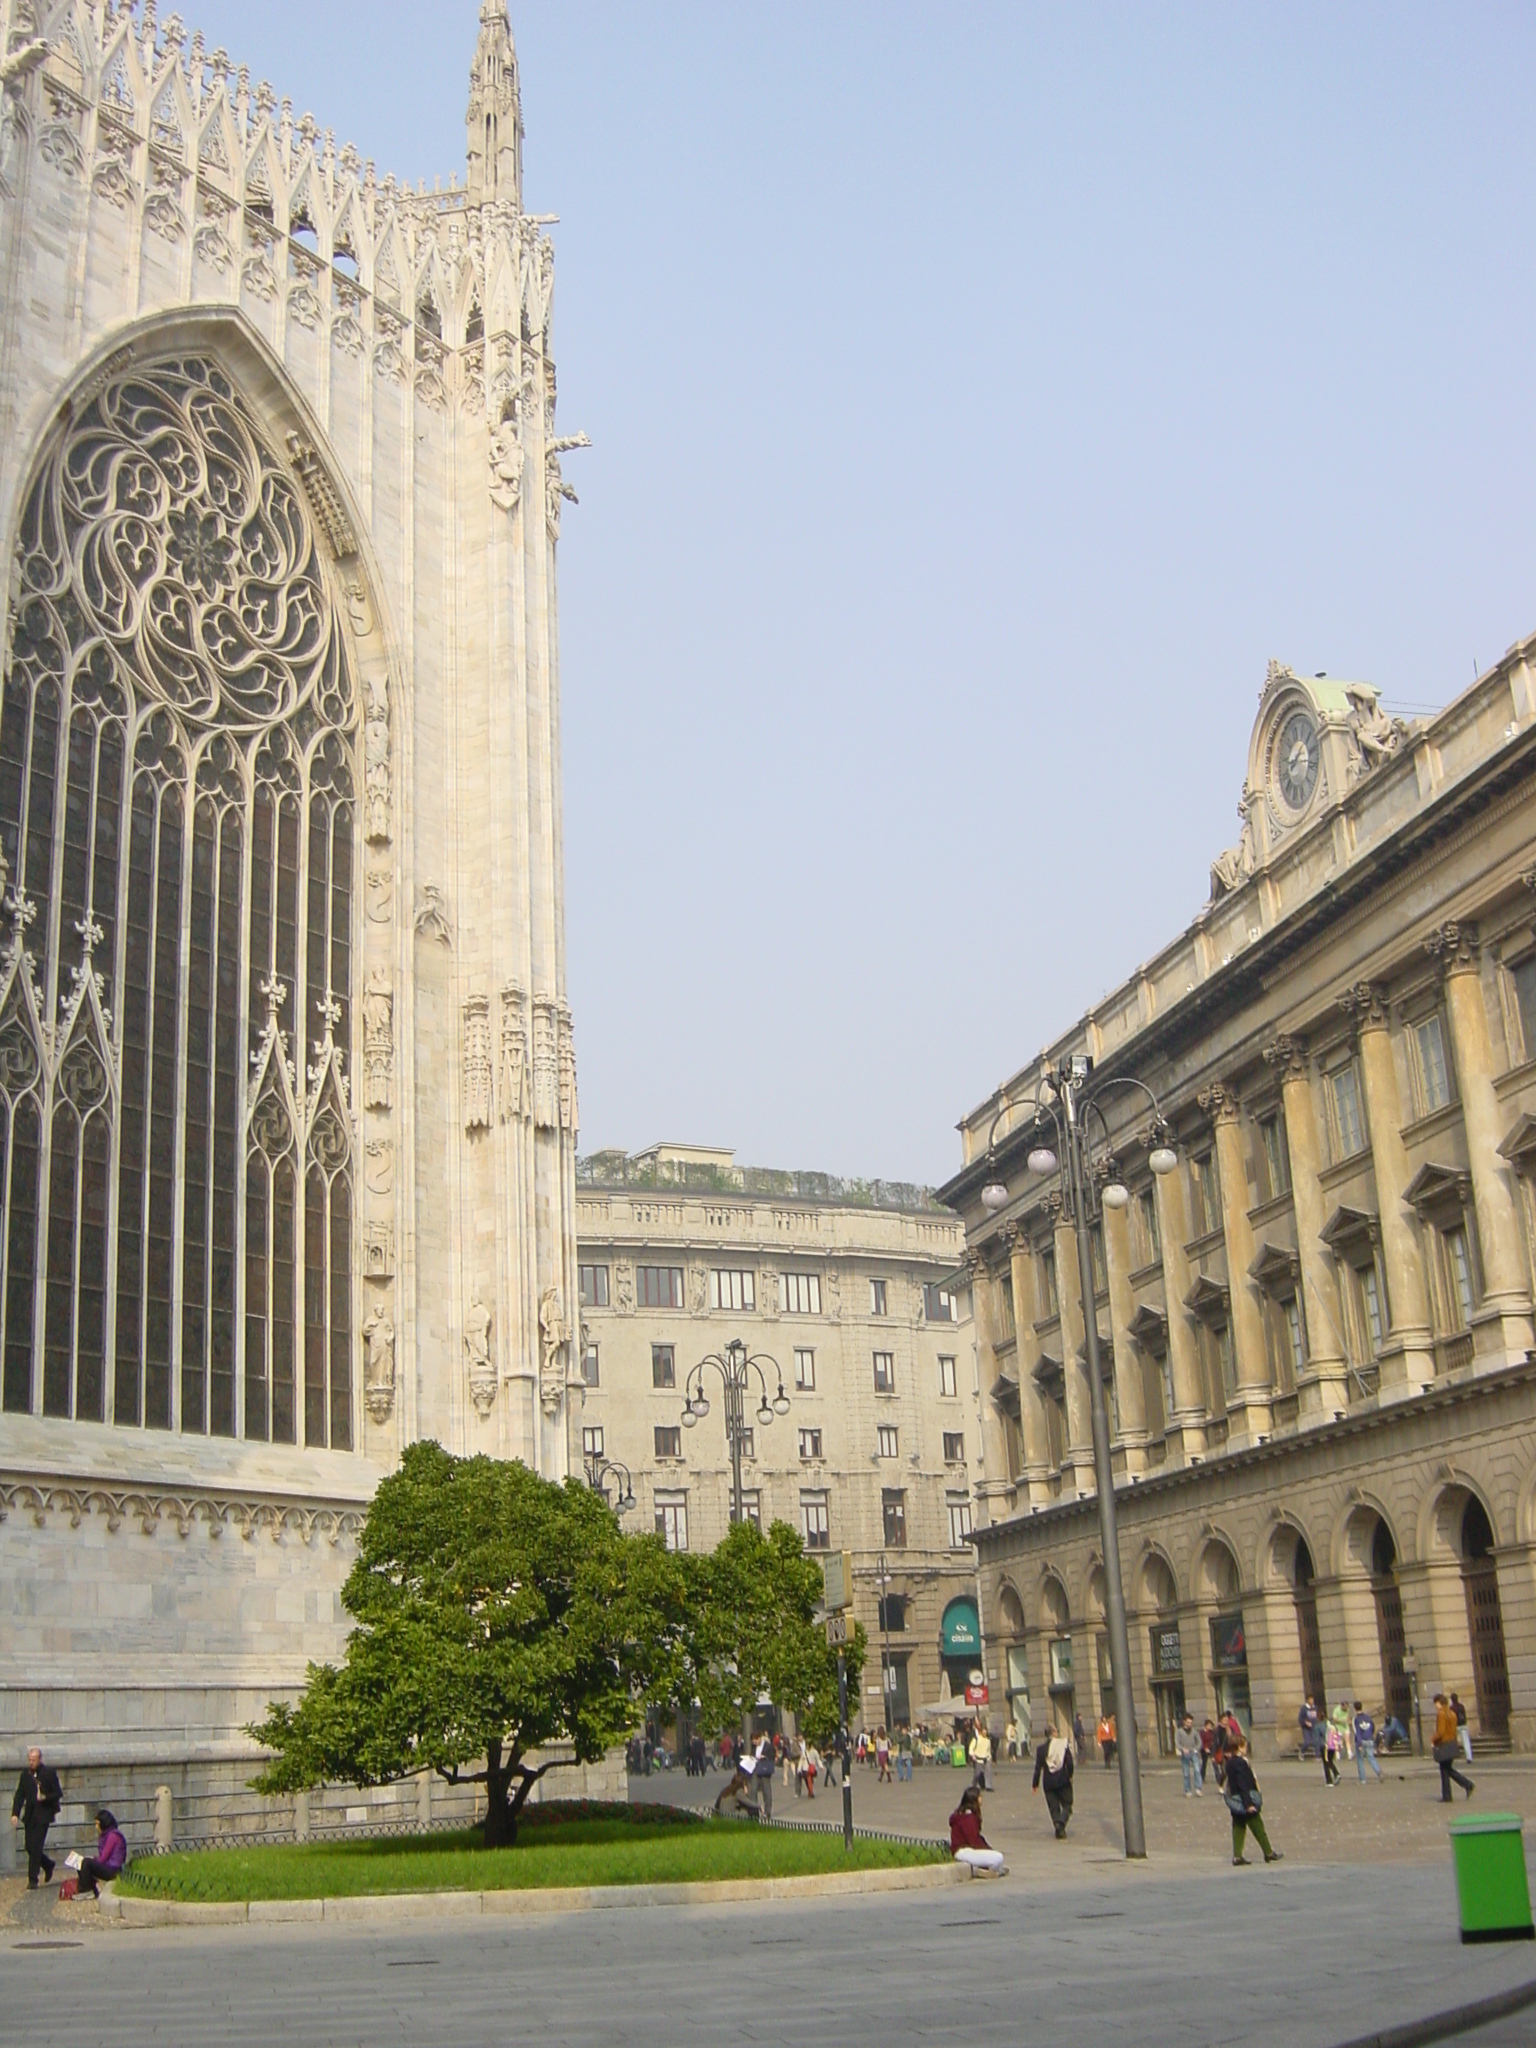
x: 507, y: 1785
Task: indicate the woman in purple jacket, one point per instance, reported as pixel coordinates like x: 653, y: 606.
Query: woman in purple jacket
x: 110, y: 1858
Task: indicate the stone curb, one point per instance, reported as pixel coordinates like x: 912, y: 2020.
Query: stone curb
x: 515, y: 1904
x: 1445, y: 2026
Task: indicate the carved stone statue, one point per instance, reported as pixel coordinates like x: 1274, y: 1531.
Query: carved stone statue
x: 1377, y: 736
x: 379, y: 1369
x: 506, y: 466
x: 477, y: 1356
x: 378, y: 1042
x: 553, y: 1339
x: 376, y: 760
x: 624, y: 1288
x: 432, y: 915
x: 1231, y: 869
x: 477, y: 1063
x: 515, y: 1085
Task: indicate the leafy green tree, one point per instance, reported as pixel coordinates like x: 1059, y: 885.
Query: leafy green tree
x: 497, y: 1615
x: 751, y: 1629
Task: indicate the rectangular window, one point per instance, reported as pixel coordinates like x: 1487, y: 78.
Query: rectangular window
x: 885, y: 1441
x: 1434, y: 1073
x: 805, y: 1371
x: 810, y: 1443
x: 800, y: 1294
x: 1207, y: 1197
x: 1096, y: 1258
x: 1370, y: 1297
x: 815, y: 1523
x: 1522, y: 980
x: 938, y: 1305
x: 1050, y: 1298
x: 954, y: 1446
x: 592, y: 1442
x: 1005, y: 1311
x: 893, y: 1507
x: 748, y: 1441
x: 885, y: 1372
x: 1459, y: 1256
x: 592, y: 1286
x: 1227, y: 1359
x: 1277, y: 1166
x: 891, y: 1614
x: 1348, y: 1122
x: 663, y: 1365
x: 752, y: 1508
x: 658, y: 1286
x: 589, y: 1365
x: 946, y: 1375
x: 1151, y: 1241
x: 877, y: 1297
x: 1292, y: 1309
x: 669, y: 1441
x: 959, y: 1524
x: 672, y: 1520
x: 733, y: 1290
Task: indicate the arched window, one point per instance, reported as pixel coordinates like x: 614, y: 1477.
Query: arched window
x: 177, y: 823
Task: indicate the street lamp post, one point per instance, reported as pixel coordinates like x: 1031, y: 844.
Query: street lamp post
x: 735, y: 1366
x: 1074, y: 1097
x: 599, y: 1470
x: 884, y: 1576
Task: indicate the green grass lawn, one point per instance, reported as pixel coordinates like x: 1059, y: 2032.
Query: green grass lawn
x: 593, y: 1848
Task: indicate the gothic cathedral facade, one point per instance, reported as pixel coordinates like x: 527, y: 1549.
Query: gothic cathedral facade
x: 287, y: 1082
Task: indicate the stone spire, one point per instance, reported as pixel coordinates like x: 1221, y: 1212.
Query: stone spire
x: 495, y: 118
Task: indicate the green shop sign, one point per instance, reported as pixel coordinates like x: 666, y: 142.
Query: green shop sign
x: 960, y: 1630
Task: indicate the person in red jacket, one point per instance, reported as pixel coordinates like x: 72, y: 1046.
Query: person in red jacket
x: 967, y: 1841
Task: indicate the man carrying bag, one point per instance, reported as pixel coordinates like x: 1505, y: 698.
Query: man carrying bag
x: 36, y: 1805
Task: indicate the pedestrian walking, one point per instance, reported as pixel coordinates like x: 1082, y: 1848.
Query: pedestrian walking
x: 1463, y: 1727
x: 1186, y: 1741
x: 979, y: 1750
x: 1329, y: 1750
x: 966, y: 1841
x: 1079, y: 1737
x: 1011, y: 1740
x: 1244, y: 1802
x: 36, y: 1806
x: 1343, y: 1722
x: 1307, y: 1720
x: 1207, y: 1747
x: 1107, y: 1738
x: 904, y: 1752
x: 1365, y: 1743
x: 1446, y: 1749
x: 110, y: 1859
x: 882, y: 1758
x: 1053, y: 1776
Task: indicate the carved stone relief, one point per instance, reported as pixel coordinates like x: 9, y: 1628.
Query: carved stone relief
x: 553, y: 1339
x: 506, y: 466
x: 379, y: 887
x: 516, y: 1086
x: 432, y: 915
x: 546, y: 1063
x: 569, y: 1115
x: 624, y: 1287
x: 379, y: 1173
x: 379, y: 1363
x: 378, y: 1042
x: 477, y: 1356
x: 376, y: 761
x: 378, y: 1251
x: 477, y: 1063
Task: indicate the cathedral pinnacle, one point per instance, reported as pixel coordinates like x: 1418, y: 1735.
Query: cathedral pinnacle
x: 494, y: 123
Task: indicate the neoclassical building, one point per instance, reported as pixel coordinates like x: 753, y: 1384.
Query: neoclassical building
x: 287, y: 1087
x: 1318, y: 1328
x: 846, y: 1292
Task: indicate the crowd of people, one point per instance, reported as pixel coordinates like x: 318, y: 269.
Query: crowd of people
x: 35, y: 1808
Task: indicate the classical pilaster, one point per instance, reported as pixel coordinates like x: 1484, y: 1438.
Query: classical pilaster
x: 1407, y: 1359
x: 1035, y: 1479
x: 1501, y: 1329
x: 1187, y: 1424
x: 1322, y: 1388
x: 1130, y: 1442
x: 1250, y: 1411
x: 994, y: 1491
x: 1077, y: 1465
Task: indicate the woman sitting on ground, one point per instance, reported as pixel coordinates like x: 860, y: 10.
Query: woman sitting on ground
x: 110, y: 1859
x: 967, y: 1842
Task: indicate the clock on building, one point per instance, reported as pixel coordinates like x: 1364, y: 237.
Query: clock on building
x: 1297, y: 758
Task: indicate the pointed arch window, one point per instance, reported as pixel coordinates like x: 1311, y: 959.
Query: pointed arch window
x: 178, y: 738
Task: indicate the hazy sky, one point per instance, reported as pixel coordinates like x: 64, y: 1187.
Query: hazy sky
x: 981, y: 396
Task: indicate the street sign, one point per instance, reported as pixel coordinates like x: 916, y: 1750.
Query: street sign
x: 976, y: 1695
x: 837, y: 1579
x: 837, y: 1631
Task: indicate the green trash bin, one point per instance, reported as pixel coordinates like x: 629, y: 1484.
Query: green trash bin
x: 1491, y: 1887
x: 957, y: 1756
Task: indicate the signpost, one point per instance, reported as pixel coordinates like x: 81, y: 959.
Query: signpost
x: 837, y: 1583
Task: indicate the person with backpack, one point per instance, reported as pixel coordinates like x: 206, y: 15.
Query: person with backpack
x: 1244, y: 1802
x: 1053, y: 1775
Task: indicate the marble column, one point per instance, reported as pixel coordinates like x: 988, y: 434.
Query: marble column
x: 1501, y: 1329
x: 1186, y: 1432
x: 1250, y: 1410
x: 1407, y: 1359
x: 1077, y: 1465
x: 1322, y: 1389
x: 1035, y: 1481
x: 994, y: 1490
x: 1129, y: 1446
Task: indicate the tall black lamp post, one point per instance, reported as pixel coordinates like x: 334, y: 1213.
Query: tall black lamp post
x: 736, y: 1367
x: 1073, y: 1095
x: 599, y: 1470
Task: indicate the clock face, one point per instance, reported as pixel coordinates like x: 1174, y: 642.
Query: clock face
x: 1297, y: 759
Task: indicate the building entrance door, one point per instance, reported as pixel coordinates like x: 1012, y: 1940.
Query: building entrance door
x: 1393, y: 1644
x: 1169, y: 1700
x: 1485, y: 1622
x: 1307, y: 1633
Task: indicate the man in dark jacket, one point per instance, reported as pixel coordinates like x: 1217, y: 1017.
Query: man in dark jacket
x: 36, y: 1806
x: 1053, y: 1771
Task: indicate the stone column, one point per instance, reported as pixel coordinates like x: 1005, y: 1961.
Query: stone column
x: 1322, y: 1390
x: 1434, y: 1597
x: 1035, y: 1480
x: 1517, y: 1603
x: 1250, y: 1411
x: 1186, y: 1433
x: 1077, y: 1465
x: 1130, y: 1445
x: 1501, y: 1329
x: 994, y: 1490
x: 1408, y: 1359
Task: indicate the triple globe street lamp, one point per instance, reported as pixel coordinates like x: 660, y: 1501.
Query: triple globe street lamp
x: 736, y: 1367
x: 599, y: 1470
x: 1067, y: 1096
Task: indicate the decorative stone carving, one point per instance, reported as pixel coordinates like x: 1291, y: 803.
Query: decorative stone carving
x: 376, y: 761
x: 162, y: 216
x: 1455, y: 947
x: 1366, y: 1006
x: 1231, y: 869
x: 768, y: 1292
x: 110, y: 181
x: 624, y: 1287
x: 432, y: 915
x: 149, y: 1506
x: 554, y: 1336
x: 379, y: 895
x: 698, y: 1291
x: 378, y: 1251
x: 570, y: 1118
x: 546, y: 1063
x: 379, y: 1366
x: 1288, y: 1056
x: 506, y: 466
x: 477, y: 1356
x: 1219, y: 1103
x: 1375, y: 736
x: 304, y: 307
x: 378, y: 1042
x: 379, y: 1172
x: 324, y: 500
x: 555, y: 486
x: 477, y: 1063
x: 516, y: 1085
x: 832, y: 1295
x: 211, y: 245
